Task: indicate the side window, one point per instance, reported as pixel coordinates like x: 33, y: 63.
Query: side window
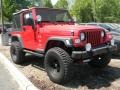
x: 17, y: 22
x: 27, y: 17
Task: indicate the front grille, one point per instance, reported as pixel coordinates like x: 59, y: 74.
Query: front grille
x: 93, y: 37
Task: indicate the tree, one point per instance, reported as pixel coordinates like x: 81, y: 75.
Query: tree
x: 47, y: 3
x: 37, y: 3
x: 82, y: 10
x: 107, y: 10
x: 61, y: 4
x: 11, y: 6
x: 22, y: 3
x: 8, y: 8
x: 96, y: 10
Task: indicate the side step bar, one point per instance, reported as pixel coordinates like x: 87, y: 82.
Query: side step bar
x: 34, y: 53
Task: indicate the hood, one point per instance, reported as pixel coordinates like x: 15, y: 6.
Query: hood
x: 74, y: 28
x: 66, y: 30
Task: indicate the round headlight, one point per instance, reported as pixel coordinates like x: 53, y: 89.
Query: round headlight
x: 82, y: 36
x: 102, y: 34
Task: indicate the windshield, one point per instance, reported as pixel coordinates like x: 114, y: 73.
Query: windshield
x: 50, y: 15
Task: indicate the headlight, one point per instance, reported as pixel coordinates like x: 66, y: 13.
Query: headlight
x: 82, y: 36
x: 102, y: 34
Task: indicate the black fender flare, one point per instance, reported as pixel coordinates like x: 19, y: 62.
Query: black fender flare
x: 17, y: 38
x: 67, y: 41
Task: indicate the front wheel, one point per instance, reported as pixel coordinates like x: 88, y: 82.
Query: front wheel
x: 58, y: 65
x: 100, y: 61
x: 17, y: 53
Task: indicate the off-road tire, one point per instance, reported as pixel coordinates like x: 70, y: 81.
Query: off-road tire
x: 100, y: 61
x: 17, y: 53
x: 61, y: 72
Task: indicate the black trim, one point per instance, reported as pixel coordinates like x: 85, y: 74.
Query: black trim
x: 34, y: 53
x: 85, y: 55
x: 19, y: 39
x: 62, y: 40
x: 40, y: 51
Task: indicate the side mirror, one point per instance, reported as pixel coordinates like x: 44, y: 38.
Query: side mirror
x: 38, y: 19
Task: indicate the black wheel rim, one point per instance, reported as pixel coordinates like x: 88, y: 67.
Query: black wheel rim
x: 54, y: 67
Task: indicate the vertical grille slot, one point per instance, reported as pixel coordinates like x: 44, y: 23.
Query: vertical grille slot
x: 93, y: 37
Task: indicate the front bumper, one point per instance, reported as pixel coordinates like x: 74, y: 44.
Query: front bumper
x: 93, y: 52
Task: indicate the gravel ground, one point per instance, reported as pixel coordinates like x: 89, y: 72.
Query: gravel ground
x: 84, y: 78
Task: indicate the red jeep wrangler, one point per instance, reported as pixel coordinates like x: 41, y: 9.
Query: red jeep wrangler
x: 52, y: 33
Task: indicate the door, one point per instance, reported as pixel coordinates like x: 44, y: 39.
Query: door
x: 28, y: 31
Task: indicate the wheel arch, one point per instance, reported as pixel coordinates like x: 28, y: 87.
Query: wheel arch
x: 17, y: 38
x: 58, y: 42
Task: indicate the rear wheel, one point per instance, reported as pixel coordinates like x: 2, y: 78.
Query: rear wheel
x: 100, y: 61
x: 58, y: 65
x: 17, y: 53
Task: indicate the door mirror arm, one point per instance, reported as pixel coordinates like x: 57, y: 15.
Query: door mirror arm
x: 33, y: 27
